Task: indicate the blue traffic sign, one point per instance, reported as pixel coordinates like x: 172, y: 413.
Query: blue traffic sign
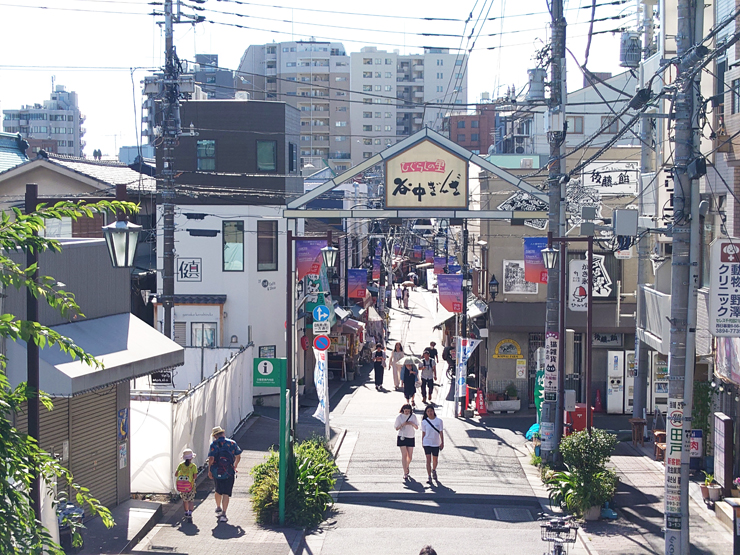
x: 320, y: 313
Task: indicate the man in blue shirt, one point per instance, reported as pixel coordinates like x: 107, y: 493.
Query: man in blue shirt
x: 223, y: 458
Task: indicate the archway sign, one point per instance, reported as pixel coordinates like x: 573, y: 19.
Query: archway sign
x: 424, y: 172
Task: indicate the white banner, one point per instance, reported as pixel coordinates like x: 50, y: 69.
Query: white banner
x: 724, y: 292
x: 578, y: 286
x: 319, y: 379
x: 672, y: 459
x: 463, y: 349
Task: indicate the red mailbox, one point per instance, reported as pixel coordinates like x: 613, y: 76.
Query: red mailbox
x: 576, y: 420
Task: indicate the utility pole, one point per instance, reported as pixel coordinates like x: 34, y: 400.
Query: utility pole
x: 171, y: 130
x: 644, y: 244
x: 684, y: 282
x: 551, y: 426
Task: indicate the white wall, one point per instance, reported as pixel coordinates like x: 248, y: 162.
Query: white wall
x: 253, y: 298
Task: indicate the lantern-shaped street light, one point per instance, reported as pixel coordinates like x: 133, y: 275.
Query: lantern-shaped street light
x: 329, y: 255
x: 493, y: 287
x: 550, y: 257
x: 122, y: 238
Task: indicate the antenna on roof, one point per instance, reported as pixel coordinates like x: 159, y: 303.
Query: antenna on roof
x: 53, y: 78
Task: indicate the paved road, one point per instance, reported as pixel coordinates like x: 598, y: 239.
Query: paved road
x: 483, y: 502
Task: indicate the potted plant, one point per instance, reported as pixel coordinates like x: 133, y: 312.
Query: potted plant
x: 736, y: 487
x: 512, y: 392
x: 301, y: 385
x: 710, y: 490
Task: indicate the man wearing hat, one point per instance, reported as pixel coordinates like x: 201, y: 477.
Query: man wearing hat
x: 223, y: 458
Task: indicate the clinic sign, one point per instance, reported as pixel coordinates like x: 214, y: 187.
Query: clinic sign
x: 724, y: 291
x: 426, y: 176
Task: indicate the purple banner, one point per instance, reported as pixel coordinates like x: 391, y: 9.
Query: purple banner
x: 453, y: 268
x: 396, y: 249
x: 439, y: 264
x: 449, y: 287
x: 308, y: 256
x: 357, y: 283
x: 418, y: 251
x: 376, y: 268
x: 534, y: 265
x: 429, y: 255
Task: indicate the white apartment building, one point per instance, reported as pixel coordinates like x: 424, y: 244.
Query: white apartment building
x: 353, y: 106
x: 57, y: 119
x: 314, y: 77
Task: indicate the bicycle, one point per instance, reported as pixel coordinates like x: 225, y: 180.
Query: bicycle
x: 450, y: 371
x: 559, y: 532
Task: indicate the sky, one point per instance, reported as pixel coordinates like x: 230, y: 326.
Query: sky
x: 103, y: 49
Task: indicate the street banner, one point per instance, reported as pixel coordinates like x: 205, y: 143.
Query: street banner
x: 453, y: 268
x: 602, y: 282
x: 534, y: 265
x: 578, y: 285
x: 552, y: 343
x: 429, y: 255
x: 724, y: 291
x: 439, y: 264
x: 308, y: 258
x: 319, y: 294
x: 319, y: 380
x: 418, y: 252
x: 463, y: 350
x: 357, y: 283
x: 674, y: 445
x: 376, y: 267
x: 449, y: 288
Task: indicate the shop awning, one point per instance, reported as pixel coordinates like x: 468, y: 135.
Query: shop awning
x: 340, y: 313
x: 476, y: 308
x: 352, y: 326
x: 127, y: 347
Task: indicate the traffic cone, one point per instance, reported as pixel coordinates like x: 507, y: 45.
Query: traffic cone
x: 597, y: 405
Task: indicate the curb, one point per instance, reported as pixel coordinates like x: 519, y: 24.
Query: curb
x: 141, y: 534
x: 338, y: 443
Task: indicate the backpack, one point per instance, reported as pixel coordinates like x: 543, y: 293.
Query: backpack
x: 224, y: 463
x: 446, y: 354
x: 183, y: 484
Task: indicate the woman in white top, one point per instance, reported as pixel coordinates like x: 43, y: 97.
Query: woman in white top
x: 397, y: 357
x: 406, y: 424
x: 432, y: 439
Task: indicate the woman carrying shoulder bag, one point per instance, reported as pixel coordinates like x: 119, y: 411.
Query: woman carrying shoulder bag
x: 432, y: 439
x: 406, y: 424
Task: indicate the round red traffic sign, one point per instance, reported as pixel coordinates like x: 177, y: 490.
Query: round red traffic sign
x: 322, y: 342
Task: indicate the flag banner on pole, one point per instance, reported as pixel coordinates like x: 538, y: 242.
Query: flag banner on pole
x: 449, y: 288
x: 357, y: 283
x: 308, y: 258
x: 418, y: 251
x: 376, y: 267
x: 463, y: 350
x: 534, y: 265
x: 319, y: 377
x: 439, y: 264
x: 429, y: 255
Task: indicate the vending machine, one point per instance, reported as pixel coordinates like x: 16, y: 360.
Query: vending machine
x: 615, y: 382
x: 629, y: 380
x: 659, y: 390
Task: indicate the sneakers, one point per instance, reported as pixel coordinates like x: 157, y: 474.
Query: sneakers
x: 223, y: 518
x: 434, y: 475
x: 219, y: 510
x: 429, y: 479
x: 424, y: 400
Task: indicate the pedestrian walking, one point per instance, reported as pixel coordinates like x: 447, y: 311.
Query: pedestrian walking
x: 399, y: 295
x: 397, y: 357
x: 433, y: 354
x: 406, y: 424
x: 428, y: 370
x: 432, y: 439
x: 185, y: 476
x: 406, y: 295
x: 223, y: 459
x: 409, y: 375
x: 379, y: 365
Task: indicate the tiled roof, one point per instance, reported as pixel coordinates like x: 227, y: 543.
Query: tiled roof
x: 199, y: 299
x: 105, y: 171
x: 11, y: 154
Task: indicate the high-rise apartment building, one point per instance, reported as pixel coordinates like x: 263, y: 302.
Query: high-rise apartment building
x: 314, y: 77
x: 57, y: 119
x: 353, y: 106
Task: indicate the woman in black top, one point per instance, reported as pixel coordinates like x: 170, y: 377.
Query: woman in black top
x: 379, y: 366
x: 409, y: 374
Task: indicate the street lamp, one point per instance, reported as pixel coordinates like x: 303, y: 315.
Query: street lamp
x: 121, y: 237
x: 493, y: 287
x: 550, y: 257
x: 329, y: 255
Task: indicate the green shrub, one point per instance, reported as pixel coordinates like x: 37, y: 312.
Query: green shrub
x: 588, y: 452
x: 577, y: 491
x: 535, y: 460
x: 310, y: 479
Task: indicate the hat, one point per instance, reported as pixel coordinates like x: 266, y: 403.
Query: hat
x: 408, y: 360
x: 188, y: 454
x: 217, y: 430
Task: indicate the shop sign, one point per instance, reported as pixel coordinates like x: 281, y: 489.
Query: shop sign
x: 189, y: 269
x: 578, y: 285
x: 507, y: 348
x: 724, y: 291
x: 539, y: 381
x: 607, y: 340
x: 534, y: 265
x: 521, y: 368
x: 449, y: 288
x: 697, y: 443
x: 163, y: 377
x: 612, y: 178
x: 727, y: 358
x: 426, y: 176
x: 552, y: 343
x: 674, y: 447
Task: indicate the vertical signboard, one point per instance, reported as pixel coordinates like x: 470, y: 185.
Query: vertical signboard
x: 308, y: 256
x: 429, y: 256
x: 463, y: 349
x: 319, y: 380
x: 357, y: 283
x: 673, y: 449
x: 578, y: 285
x: 724, y: 291
x: 449, y: 288
x: 439, y: 265
x: 534, y: 265
x: 552, y: 344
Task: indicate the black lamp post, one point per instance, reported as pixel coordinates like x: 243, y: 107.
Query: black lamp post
x: 329, y: 255
x: 493, y: 287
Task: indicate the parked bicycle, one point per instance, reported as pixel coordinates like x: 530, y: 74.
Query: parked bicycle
x: 559, y: 532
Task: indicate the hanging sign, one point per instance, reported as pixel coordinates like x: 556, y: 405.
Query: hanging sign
x: 602, y: 282
x: 578, y: 286
x: 308, y: 258
x: 552, y: 343
x: 425, y: 176
x: 612, y: 178
x: 724, y: 291
x: 449, y: 288
x: 534, y: 265
x: 357, y: 283
x: 439, y: 264
x: 429, y: 256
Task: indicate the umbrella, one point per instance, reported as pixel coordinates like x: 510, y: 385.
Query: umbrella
x: 408, y: 284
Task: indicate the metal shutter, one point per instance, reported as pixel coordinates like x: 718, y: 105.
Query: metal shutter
x: 93, y: 449
x: 181, y: 333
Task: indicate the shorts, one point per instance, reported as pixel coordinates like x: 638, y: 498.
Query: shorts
x: 433, y: 451
x: 405, y: 441
x: 188, y: 495
x: 224, y: 486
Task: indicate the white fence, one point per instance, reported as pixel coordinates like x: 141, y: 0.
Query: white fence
x: 162, y: 424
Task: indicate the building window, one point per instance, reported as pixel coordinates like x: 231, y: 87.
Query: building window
x: 575, y: 124
x: 440, y: 75
x: 367, y: 100
x: 388, y: 75
x: 367, y: 61
x: 340, y: 78
x: 389, y: 128
x: 461, y: 138
x: 474, y: 137
x: 378, y: 114
x: 378, y: 74
x: 267, y: 246
x: 612, y: 123
x: 341, y: 109
x: 203, y: 334
x: 340, y: 123
x: 233, y: 233
x: 206, y: 154
x: 367, y: 127
x: 377, y: 128
x: 388, y: 142
x: 440, y: 88
x: 461, y: 124
x: 341, y: 93
x: 388, y: 61
x: 474, y: 124
x: 377, y: 87
x: 376, y: 141
x: 340, y: 138
x: 389, y: 87
x: 367, y: 88
x: 367, y: 141
x: 367, y: 115
x: 292, y: 157
x: 367, y: 155
x: 367, y: 74
x: 735, y: 104
x: 440, y: 62
x: 267, y: 156
x: 458, y: 62
x: 388, y: 115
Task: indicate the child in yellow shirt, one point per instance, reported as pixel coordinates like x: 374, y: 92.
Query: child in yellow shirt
x: 185, y: 476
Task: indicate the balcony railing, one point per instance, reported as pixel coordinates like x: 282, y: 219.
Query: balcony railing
x: 339, y: 155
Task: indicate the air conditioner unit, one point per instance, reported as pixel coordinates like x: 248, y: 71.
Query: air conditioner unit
x: 242, y: 95
x: 526, y: 163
